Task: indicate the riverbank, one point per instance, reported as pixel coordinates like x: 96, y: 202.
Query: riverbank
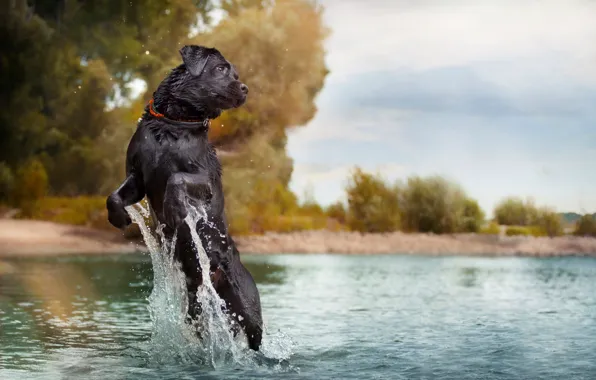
x: 418, y: 244
x: 37, y: 238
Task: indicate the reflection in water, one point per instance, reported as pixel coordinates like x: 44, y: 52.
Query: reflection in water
x: 54, y: 304
x: 548, y: 273
x: 468, y: 277
x: 266, y: 273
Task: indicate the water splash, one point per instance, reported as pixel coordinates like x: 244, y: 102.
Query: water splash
x: 173, y: 339
x: 213, y: 323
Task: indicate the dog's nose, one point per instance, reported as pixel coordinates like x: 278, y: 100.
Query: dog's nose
x: 244, y: 88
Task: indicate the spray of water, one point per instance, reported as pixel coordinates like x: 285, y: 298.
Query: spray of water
x: 173, y: 339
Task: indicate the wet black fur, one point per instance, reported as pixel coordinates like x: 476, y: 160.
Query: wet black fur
x: 171, y: 162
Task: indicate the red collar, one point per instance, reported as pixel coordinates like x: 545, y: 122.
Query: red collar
x: 158, y: 115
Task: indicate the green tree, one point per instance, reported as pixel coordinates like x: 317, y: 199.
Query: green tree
x: 585, y: 226
x: 373, y: 206
x: 433, y: 204
x: 26, y: 64
x: 254, y: 185
x: 61, y: 62
x: 278, y: 51
x: 234, y: 7
x: 277, y: 48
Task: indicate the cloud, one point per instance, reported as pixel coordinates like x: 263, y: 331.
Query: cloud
x: 489, y: 89
x: 421, y: 35
x: 360, y: 124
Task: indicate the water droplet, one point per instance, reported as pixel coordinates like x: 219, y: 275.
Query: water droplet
x: 146, y: 52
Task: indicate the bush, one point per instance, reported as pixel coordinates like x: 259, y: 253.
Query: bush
x: 292, y: 224
x: 549, y: 222
x: 513, y: 211
x: 491, y: 229
x: 80, y: 211
x: 538, y: 231
x: 473, y: 217
x: 337, y: 211
x: 535, y: 231
x: 543, y: 221
x: 585, y: 226
x: 373, y: 206
x: 517, y: 231
x: 31, y: 184
x: 6, y: 182
x: 433, y: 204
x: 267, y: 205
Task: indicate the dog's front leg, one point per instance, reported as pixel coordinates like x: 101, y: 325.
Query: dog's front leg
x: 130, y: 192
x: 180, y: 186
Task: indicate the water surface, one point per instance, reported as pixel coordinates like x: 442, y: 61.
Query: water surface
x: 327, y: 316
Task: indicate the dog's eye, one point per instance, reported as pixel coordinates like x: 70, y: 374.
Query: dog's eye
x: 221, y: 68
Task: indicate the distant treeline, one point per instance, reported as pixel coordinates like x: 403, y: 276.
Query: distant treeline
x: 418, y: 205
x: 436, y: 205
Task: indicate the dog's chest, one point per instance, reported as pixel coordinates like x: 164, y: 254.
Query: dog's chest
x: 173, y: 154
x: 179, y: 156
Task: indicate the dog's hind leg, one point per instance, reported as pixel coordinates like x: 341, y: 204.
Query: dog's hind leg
x: 253, y: 320
x: 185, y: 254
x: 238, y: 289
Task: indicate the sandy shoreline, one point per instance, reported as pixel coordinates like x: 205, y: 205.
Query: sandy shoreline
x: 37, y: 238
x: 416, y: 244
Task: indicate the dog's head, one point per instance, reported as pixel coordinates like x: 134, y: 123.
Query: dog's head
x: 211, y: 80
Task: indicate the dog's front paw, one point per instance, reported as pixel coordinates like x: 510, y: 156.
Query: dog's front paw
x: 201, y: 192
x: 174, y: 213
x: 205, y: 193
x: 117, y: 215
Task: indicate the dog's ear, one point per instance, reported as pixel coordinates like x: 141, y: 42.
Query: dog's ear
x: 195, y: 58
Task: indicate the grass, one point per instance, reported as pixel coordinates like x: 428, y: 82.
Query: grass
x: 78, y: 211
x: 535, y: 231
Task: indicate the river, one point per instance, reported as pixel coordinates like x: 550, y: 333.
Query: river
x: 326, y: 316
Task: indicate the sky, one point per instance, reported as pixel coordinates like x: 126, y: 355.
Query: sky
x: 497, y: 95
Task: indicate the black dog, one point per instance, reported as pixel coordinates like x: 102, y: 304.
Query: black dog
x: 170, y: 160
